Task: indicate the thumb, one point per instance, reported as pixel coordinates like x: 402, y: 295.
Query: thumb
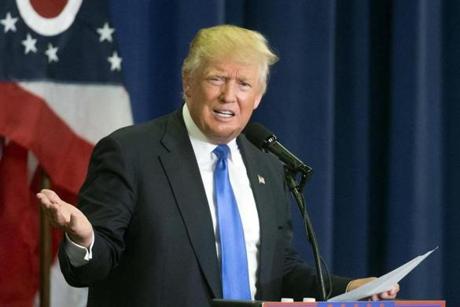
x: 72, y: 228
x: 79, y: 229
x: 72, y: 222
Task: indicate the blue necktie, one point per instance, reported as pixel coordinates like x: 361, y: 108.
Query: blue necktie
x: 235, y: 279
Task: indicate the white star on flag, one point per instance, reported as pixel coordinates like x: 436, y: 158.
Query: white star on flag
x: 105, y: 33
x: 115, y: 61
x: 9, y: 23
x: 51, y: 52
x: 29, y: 44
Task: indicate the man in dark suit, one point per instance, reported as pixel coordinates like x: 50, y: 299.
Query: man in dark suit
x: 148, y: 231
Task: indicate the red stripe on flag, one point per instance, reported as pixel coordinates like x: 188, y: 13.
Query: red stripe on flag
x: 19, y: 231
x: 28, y: 120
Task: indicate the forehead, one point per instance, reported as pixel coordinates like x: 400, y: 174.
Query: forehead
x: 231, y: 67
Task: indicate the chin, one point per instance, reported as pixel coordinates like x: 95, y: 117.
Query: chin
x: 222, y: 138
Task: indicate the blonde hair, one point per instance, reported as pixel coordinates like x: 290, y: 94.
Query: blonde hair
x: 233, y: 42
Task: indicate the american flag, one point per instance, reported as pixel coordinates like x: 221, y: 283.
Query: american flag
x: 61, y: 90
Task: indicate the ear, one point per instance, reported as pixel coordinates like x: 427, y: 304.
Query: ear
x: 258, y: 100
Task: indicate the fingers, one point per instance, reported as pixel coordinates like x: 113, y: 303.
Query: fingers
x: 390, y: 294
x: 55, y: 209
x: 48, y: 197
x: 387, y: 295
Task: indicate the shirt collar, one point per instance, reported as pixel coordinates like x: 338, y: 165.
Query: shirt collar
x: 201, y: 145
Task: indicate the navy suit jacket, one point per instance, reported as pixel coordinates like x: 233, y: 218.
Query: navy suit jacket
x: 154, y: 239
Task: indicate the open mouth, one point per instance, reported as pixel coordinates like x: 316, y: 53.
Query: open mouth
x: 224, y: 113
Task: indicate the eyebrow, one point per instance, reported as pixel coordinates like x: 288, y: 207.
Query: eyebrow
x: 223, y: 73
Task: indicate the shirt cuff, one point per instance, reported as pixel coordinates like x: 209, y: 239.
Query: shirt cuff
x: 78, y: 254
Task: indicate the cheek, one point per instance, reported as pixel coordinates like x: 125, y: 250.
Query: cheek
x: 246, y: 111
x: 251, y: 102
x: 211, y: 93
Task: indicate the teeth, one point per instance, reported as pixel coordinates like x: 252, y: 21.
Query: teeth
x: 225, y: 113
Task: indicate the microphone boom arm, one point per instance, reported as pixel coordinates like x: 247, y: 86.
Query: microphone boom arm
x: 297, y: 190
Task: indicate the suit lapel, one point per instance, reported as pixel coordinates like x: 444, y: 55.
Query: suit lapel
x: 262, y: 188
x: 184, y: 176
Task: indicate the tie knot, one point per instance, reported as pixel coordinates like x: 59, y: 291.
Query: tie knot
x: 222, y: 151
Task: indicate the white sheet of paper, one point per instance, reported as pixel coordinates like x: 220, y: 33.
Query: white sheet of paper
x: 383, y: 283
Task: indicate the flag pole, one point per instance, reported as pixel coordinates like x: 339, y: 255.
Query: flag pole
x: 45, y: 249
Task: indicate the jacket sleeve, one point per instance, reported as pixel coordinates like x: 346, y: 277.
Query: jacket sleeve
x: 107, y: 198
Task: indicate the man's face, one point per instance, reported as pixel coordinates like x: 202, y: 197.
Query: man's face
x: 221, y: 97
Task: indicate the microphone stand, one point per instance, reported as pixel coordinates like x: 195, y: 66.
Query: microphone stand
x: 297, y: 190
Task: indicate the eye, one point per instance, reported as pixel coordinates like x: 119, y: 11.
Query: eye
x: 245, y: 85
x: 216, y: 80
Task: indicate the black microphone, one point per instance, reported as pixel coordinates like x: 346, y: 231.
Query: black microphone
x: 265, y: 140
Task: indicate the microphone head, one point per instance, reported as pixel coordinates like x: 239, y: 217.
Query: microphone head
x: 259, y: 135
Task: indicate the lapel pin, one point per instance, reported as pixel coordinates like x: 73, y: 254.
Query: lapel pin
x: 261, y: 179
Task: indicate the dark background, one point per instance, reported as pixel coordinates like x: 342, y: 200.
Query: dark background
x: 366, y: 92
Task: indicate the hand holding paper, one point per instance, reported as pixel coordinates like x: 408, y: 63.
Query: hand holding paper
x: 383, y: 283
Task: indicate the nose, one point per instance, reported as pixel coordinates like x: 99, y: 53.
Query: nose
x: 228, y: 93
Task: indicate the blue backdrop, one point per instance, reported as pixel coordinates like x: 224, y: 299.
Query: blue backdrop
x: 366, y: 92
